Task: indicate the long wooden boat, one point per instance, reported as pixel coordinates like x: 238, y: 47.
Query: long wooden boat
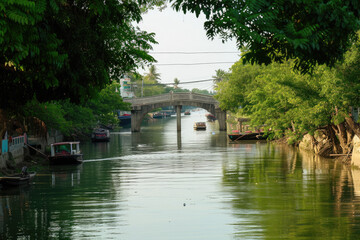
x: 247, y: 136
x: 65, y: 153
x: 17, y: 179
x: 100, y: 135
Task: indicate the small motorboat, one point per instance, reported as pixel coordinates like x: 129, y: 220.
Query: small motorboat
x: 200, y: 126
x: 22, y: 178
x: 100, y: 135
x: 65, y: 153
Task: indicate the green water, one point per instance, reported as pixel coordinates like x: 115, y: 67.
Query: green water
x: 158, y: 185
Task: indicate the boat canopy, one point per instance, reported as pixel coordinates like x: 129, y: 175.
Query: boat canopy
x: 65, y: 148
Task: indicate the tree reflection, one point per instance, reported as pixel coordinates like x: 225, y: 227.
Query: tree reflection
x: 278, y: 192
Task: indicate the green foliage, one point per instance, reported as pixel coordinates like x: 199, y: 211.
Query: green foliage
x: 71, y: 118
x: 105, y: 105
x: 312, y: 32
x: 289, y: 103
x: 61, y: 49
x: 206, y: 92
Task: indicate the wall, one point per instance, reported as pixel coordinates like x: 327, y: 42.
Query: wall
x: 355, y: 158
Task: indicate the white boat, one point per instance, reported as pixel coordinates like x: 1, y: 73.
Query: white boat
x: 100, y: 135
x: 65, y: 153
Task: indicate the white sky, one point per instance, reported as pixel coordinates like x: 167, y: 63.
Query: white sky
x: 176, y: 32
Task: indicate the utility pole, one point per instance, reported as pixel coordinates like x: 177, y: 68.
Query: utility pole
x: 142, y: 87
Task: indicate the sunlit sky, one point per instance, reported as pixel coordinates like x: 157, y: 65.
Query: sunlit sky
x: 177, y: 32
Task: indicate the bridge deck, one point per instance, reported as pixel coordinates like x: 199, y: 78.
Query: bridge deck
x: 172, y: 97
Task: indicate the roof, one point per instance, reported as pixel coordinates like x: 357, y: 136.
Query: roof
x: 64, y: 143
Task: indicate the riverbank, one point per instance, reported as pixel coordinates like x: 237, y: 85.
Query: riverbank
x: 35, y: 163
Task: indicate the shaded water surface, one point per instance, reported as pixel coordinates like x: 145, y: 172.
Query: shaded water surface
x: 156, y: 185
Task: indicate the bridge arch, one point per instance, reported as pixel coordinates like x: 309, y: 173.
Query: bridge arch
x: 141, y: 106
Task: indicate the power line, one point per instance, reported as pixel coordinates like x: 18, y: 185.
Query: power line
x: 159, y: 84
x: 188, y: 64
x: 193, y: 52
x: 197, y: 81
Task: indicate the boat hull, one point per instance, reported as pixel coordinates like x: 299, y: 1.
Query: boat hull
x: 71, y: 159
x: 246, y: 136
x: 17, y: 180
x: 100, y: 139
x: 125, y: 120
x: 199, y: 126
x: 210, y: 117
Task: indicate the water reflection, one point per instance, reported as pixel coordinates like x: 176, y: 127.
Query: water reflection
x: 283, y: 192
x: 157, y: 184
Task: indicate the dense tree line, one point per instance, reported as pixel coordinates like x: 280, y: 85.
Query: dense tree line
x: 292, y: 104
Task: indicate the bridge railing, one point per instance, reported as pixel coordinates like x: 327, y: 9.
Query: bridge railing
x: 172, y: 97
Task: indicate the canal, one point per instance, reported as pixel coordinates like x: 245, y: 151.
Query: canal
x: 157, y: 185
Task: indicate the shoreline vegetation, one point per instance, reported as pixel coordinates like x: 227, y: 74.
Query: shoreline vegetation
x: 298, y: 74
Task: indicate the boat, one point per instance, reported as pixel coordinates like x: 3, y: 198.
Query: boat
x: 65, y: 153
x: 158, y: 115
x: 247, y: 136
x: 125, y: 118
x: 210, y: 117
x: 200, y: 126
x: 187, y: 113
x: 22, y: 178
x: 100, y: 135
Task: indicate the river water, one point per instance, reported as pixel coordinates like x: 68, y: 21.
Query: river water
x: 159, y: 185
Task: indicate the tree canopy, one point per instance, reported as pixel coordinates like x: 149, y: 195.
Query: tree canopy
x: 67, y: 49
x: 312, y: 32
x: 292, y: 104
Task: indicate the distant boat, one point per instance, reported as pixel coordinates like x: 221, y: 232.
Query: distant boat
x: 200, y: 126
x: 65, y: 153
x: 125, y: 118
x: 22, y: 178
x: 158, y: 115
x: 100, y: 135
x: 187, y: 113
x: 210, y: 117
x: 247, y: 136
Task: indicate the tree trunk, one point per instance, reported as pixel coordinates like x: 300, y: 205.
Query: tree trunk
x: 340, y: 131
x: 333, y: 139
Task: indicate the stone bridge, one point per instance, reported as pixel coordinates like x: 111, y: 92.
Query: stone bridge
x: 141, y: 106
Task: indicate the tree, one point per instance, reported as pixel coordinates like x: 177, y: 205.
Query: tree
x: 293, y: 104
x: 60, y: 49
x: 220, y: 75
x: 153, y: 75
x: 312, y: 32
x: 176, y: 82
x: 105, y: 106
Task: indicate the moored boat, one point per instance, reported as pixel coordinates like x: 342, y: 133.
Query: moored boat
x: 200, y: 126
x: 158, y: 115
x: 125, y: 119
x: 65, y: 153
x: 247, y: 136
x: 18, y: 179
x: 100, y: 135
x: 210, y: 117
